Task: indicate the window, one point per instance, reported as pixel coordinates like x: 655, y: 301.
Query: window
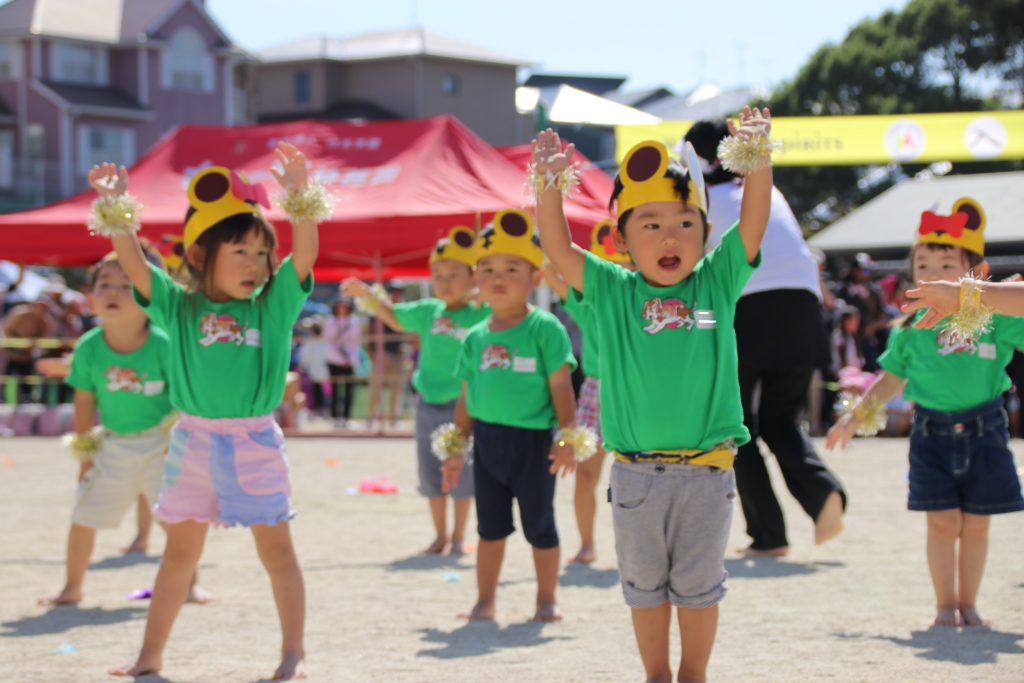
x: 6, y: 159
x: 451, y: 84
x: 187, y: 64
x: 35, y: 135
x: 74, y: 63
x: 9, y: 62
x: 302, y: 94
x: 97, y: 144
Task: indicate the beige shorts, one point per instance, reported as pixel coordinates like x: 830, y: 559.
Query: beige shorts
x: 124, y: 467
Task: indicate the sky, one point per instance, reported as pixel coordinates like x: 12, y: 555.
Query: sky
x: 679, y: 44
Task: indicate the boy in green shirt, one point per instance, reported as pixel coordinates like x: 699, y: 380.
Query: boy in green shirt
x: 516, y: 368
x: 441, y: 323
x: 961, y: 467
x: 670, y: 402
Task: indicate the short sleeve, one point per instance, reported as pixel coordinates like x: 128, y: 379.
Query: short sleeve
x: 727, y: 264
x: 895, y: 358
x: 415, y: 316
x: 574, y: 306
x: 81, y: 363
x: 164, y: 296
x: 1010, y: 330
x: 555, y: 348
x: 466, y: 365
x: 287, y: 295
x: 600, y: 277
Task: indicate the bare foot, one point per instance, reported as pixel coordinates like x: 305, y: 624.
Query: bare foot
x: 969, y: 617
x: 584, y: 556
x: 65, y: 597
x: 140, y: 668
x: 483, y: 610
x: 200, y: 596
x: 547, y: 611
x: 945, y: 616
x: 139, y: 545
x: 830, y: 520
x: 456, y: 549
x: 435, y: 548
x: 751, y: 551
x: 292, y: 666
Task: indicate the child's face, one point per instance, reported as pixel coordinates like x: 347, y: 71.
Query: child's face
x: 665, y: 240
x: 111, y: 297
x: 240, y: 268
x: 939, y: 264
x: 851, y: 323
x: 452, y: 281
x: 506, y: 281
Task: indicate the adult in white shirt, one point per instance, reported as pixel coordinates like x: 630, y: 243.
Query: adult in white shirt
x: 344, y: 335
x: 780, y: 339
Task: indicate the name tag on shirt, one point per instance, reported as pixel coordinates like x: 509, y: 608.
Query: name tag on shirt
x: 705, y: 320
x: 154, y: 388
x: 524, y: 364
x: 987, y: 351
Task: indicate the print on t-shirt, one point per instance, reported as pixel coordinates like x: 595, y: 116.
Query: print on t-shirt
x: 224, y: 328
x: 443, y: 325
x: 668, y: 314
x: 495, y: 356
x: 124, y: 379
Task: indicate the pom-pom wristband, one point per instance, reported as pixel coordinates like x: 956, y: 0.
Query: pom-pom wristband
x: 311, y: 203
x: 582, y: 440
x: 115, y: 215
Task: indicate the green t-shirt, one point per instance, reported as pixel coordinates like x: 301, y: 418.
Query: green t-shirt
x: 441, y: 332
x: 131, y: 388
x: 507, y: 372
x: 228, y: 359
x: 583, y: 314
x: 668, y: 354
x: 948, y: 377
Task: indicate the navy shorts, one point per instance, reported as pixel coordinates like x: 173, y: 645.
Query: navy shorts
x: 963, y: 461
x: 512, y: 463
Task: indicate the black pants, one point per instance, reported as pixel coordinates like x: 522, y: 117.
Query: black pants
x: 780, y: 339
x: 317, y: 389
x: 341, y: 389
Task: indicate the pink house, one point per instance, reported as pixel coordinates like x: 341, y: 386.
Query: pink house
x: 82, y: 81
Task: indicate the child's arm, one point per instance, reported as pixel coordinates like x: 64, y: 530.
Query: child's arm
x: 85, y: 418
x: 357, y: 289
x: 942, y: 299
x: 451, y: 468
x: 554, y: 280
x: 884, y: 388
x: 757, y: 185
x: 549, y: 161
x: 562, y: 456
x: 294, y: 178
x: 110, y: 181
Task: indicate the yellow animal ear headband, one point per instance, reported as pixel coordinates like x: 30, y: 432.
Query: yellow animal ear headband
x: 459, y: 245
x: 217, y: 193
x: 172, y: 251
x: 511, y: 232
x: 642, y: 174
x: 601, y: 243
x: 964, y: 227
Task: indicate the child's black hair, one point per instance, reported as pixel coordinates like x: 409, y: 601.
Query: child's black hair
x: 705, y: 136
x: 680, y: 183
x: 148, y: 251
x: 231, y: 230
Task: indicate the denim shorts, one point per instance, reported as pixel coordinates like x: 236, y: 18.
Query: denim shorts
x: 962, y: 460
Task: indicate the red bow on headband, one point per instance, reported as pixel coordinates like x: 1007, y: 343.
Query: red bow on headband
x: 951, y: 225
x: 609, y: 245
x: 250, y: 192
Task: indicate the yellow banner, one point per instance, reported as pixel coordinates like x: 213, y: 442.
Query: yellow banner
x: 839, y: 140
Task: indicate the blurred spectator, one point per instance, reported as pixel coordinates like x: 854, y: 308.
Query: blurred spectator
x: 846, y: 342
x: 344, y: 335
x: 858, y: 290
x: 313, y: 352
x: 27, y: 321
x: 388, y: 364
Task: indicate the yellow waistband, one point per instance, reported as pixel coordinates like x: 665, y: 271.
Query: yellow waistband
x: 720, y: 457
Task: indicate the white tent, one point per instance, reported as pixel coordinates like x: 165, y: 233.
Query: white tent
x: 566, y: 104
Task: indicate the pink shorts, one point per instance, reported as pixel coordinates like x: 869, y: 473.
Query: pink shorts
x: 588, y: 408
x: 225, y: 472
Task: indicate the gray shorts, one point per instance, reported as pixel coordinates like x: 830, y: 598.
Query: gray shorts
x: 671, y: 528
x: 430, y: 416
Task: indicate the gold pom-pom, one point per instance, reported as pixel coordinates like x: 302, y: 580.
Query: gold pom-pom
x: 373, y: 301
x: 566, y: 181
x: 447, y: 442
x: 312, y: 203
x: 84, y: 446
x: 974, y: 318
x: 115, y: 215
x: 582, y: 439
x: 746, y: 156
x: 870, y: 414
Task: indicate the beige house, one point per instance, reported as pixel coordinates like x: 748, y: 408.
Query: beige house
x: 391, y: 75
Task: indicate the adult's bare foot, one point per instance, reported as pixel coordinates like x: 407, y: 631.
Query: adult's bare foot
x: 456, y: 548
x: 200, y: 596
x: 751, y: 551
x: 139, y: 545
x: 67, y: 596
x: 584, y: 556
x: 547, y: 612
x: 830, y: 520
x: 483, y: 610
x: 292, y: 666
x: 435, y: 548
x: 143, y: 666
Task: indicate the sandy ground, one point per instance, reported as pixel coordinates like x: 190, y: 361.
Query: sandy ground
x: 857, y: 609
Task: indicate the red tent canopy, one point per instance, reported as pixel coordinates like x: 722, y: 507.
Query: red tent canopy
x: 398, y: 187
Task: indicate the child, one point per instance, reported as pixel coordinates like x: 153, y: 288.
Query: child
x: 516, y: 366
x: 442, y: 324
x: 588, y: 411
x: 670, y: 403
x: 226, y: 464
x: 961, y: 467
x: 313, y: 361
x: 120, y: 369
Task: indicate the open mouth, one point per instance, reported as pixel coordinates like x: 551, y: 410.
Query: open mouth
x: 249, y: 284
x: 669, y: 262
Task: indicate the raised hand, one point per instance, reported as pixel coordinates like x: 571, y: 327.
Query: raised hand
x: 752, y: 122
x: 548, y: 155
x: 291, y: 170
x: 108, y: 180
x: 354, y: 287
x: 941, y: 298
